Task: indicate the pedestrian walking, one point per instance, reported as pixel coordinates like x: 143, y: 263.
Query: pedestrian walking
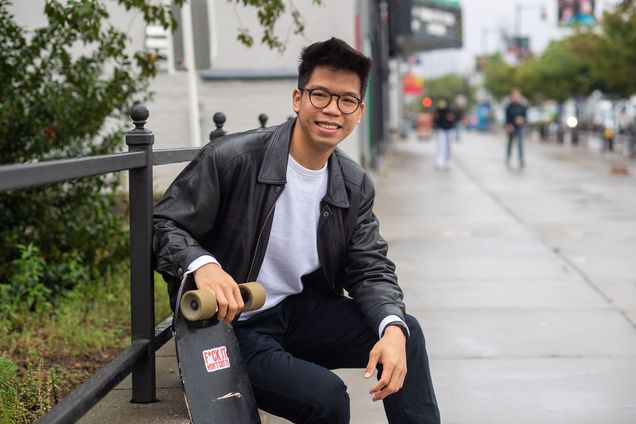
x: 515, y: 121
x: 444, y: 123
x: 285, y: 207
x: 459, y: 107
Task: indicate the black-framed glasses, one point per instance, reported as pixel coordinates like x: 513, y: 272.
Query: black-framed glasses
x: 320, y: 99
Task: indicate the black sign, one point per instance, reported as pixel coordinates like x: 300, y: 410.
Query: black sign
x: 519, y: 47
x: 422, y: 25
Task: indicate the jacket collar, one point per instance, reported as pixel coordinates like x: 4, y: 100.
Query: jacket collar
x: 274, y: 167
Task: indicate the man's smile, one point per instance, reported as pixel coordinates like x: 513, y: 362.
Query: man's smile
x: 328, y: 125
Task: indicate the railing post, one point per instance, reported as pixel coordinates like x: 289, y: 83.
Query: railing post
x: 262, y: 118
x: 141, y: 275
x: 219, y: 120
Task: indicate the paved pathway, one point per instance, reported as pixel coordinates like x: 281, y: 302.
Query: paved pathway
x: 524, y: 282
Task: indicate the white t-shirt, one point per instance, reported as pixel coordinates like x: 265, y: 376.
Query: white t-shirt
x: 292, y: 249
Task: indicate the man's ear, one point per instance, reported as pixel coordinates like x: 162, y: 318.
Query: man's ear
x: 296, y: 96
x: 360, y: 113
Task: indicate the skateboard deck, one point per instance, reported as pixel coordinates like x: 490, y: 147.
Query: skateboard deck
x: 215, y: 383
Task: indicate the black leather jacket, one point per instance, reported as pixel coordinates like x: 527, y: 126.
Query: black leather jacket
x: 223, y: 204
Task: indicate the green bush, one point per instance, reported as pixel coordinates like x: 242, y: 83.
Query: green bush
x: 27, y: 293
x: 24, y: 400
x: 9, y: 406
x: 57, y: 104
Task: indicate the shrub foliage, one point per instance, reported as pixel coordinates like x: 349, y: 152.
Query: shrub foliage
x: 56, y: 104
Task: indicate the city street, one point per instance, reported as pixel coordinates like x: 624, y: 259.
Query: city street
x: 524, y: 282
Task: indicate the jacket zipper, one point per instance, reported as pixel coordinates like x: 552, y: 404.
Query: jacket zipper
x: 260, y: 235
x: 326, y: 219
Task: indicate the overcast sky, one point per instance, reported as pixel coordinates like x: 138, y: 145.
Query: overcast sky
x: 485, y: 20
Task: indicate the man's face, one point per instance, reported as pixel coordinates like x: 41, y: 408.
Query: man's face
x: 323, y: 129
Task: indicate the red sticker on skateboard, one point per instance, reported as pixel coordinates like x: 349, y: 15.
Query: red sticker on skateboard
x: 216, y: 359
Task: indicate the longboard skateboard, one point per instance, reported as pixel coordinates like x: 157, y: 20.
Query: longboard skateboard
x: 215, y: 383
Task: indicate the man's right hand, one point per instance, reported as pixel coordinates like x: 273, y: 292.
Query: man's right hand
x: 226, y: 290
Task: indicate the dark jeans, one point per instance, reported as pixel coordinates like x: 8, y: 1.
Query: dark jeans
x: 518, y: 134
x: 289, y: 350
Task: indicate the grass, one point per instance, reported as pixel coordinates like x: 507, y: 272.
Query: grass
x: 45, y: 357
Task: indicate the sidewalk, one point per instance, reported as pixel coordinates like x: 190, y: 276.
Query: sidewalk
x: 523, y: 280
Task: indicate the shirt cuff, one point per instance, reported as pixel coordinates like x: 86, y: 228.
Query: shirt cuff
x: 199, y: 262
x: 392, y: 319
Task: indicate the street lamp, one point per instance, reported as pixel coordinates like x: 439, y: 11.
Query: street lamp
x: 519, y: 8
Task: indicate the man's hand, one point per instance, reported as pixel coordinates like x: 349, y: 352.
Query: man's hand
x: 227, y: 293
x: 510, y: 128
x: 390, y: 351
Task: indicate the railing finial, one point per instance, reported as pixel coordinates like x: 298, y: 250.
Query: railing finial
x: 262, y: 118
x: 219, y: 120
x: 139, y: 136
x: 139, y: 115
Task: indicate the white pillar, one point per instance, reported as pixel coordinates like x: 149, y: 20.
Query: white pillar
x: 188, y: 53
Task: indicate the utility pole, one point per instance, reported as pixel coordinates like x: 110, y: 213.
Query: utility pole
x: 519, y: 8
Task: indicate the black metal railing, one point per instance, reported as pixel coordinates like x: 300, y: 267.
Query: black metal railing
x: 139, y: 357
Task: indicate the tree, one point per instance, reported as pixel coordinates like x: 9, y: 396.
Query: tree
x: 613, y: 65
x: 528, y: 80
x: 562, y: 71
x: 499, y: 77
x: 269, y: 12
x: 586, y: 60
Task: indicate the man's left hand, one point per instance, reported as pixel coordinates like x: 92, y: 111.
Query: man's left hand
x: 390, y: 351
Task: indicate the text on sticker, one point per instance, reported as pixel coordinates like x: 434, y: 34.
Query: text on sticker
x: 216, y: 359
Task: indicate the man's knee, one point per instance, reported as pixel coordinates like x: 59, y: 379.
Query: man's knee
x: 320, y: 398
x: 416, y: 342
x: 413, y: 324
x: 332, y: 405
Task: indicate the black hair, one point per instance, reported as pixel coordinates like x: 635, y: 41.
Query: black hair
x: 336, y: 54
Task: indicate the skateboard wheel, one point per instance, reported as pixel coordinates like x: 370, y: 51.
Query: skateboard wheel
x: 253, y: 295
x: 197, y: 305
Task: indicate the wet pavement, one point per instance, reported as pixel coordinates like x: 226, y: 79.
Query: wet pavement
x: 524, y: 281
